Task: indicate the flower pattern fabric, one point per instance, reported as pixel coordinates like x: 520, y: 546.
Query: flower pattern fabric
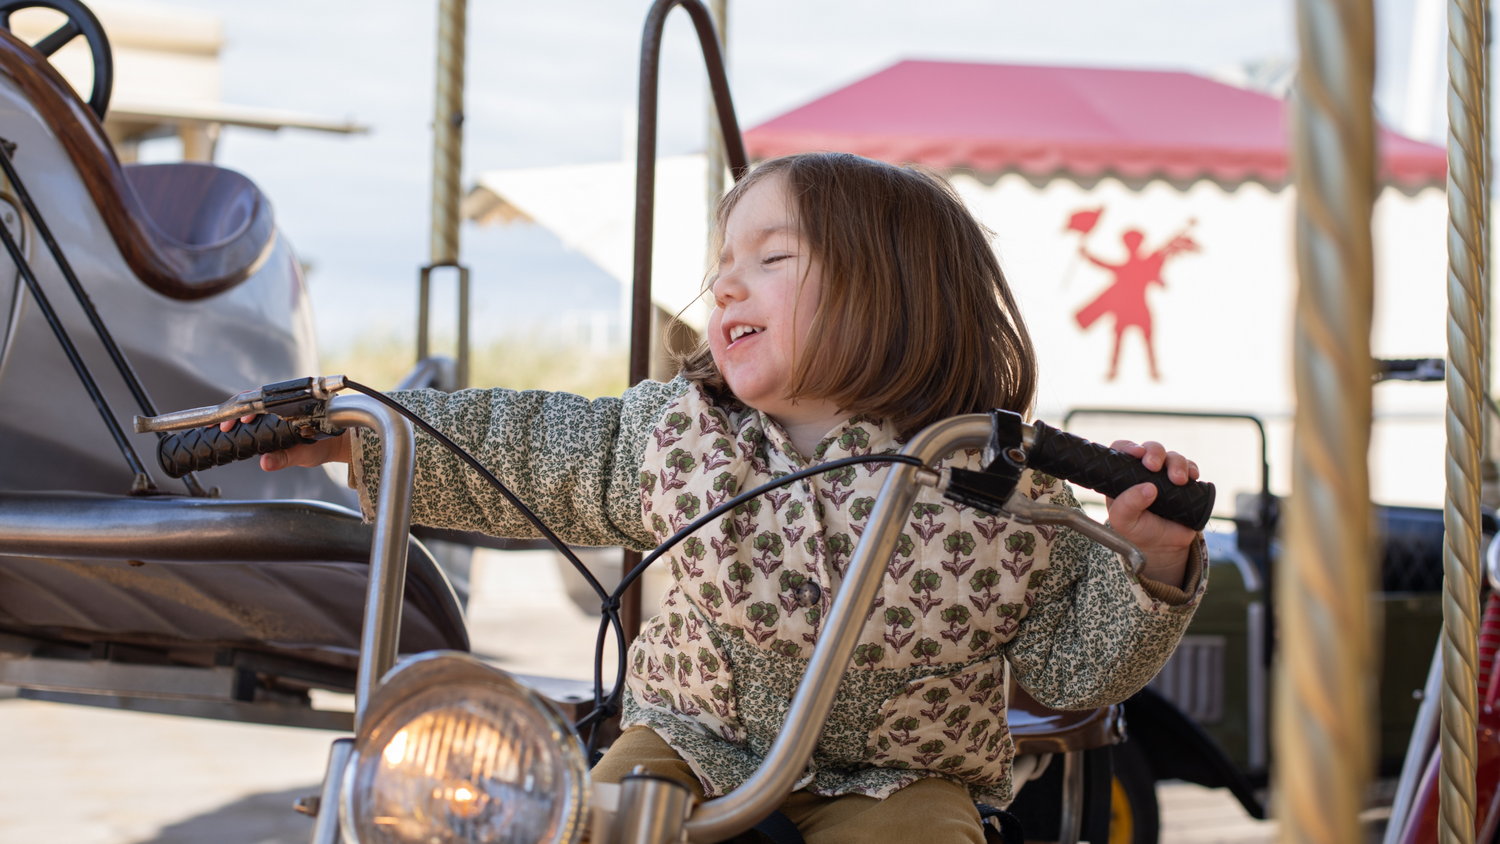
x: 965, y: 593
x: 926, y: 694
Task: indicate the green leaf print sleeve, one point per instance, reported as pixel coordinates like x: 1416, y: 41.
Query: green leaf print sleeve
x: 574, y: 461
x: 1094, y: 636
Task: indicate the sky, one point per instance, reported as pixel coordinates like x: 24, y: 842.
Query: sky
x: 551, y: 83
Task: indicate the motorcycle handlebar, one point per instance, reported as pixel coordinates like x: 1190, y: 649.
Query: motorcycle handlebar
x: 204, y: 448
x: 1102, y: 469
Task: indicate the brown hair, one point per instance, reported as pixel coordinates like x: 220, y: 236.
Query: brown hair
x: 915, y: 322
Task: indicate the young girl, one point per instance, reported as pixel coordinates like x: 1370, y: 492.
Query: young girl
x: 855, y: 303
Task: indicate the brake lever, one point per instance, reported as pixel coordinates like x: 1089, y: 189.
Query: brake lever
x: 1019, y: 506
x: 1028, y: 512
x: 294, y: 400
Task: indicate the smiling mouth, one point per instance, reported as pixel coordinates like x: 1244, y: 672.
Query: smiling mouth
x: 739, y: 331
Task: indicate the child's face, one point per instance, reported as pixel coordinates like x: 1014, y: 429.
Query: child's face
x: 765, y: 297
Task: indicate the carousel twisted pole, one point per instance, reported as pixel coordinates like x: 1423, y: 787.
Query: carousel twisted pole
x: 1465, y: 383
x: 1323, y: 737
x: 447, y: 165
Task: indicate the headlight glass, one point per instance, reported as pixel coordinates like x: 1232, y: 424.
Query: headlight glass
x: 486, y: 763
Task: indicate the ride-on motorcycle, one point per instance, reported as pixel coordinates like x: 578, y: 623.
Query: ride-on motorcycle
x: 448, y: 747
x: 237, y: 606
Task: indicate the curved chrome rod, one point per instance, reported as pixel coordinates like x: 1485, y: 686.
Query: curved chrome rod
x: 382, y: 624
x: 744, y: 807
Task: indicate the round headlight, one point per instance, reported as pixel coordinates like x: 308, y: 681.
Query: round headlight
x: 453, y: 750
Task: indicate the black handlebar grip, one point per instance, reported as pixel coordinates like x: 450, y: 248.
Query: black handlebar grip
x: 1111, y: 472
x: 205, y: 448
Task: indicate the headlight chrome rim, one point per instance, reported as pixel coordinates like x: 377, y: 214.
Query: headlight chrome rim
x: 425, y: 673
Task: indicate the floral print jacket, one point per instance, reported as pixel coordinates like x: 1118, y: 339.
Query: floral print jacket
x: 714, y: 673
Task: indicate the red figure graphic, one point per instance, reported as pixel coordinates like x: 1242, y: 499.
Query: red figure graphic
x: 1126, y: 297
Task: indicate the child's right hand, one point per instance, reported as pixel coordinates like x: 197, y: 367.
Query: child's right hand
x: 331, y: 450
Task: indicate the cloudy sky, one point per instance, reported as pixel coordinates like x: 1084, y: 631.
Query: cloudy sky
x: 550, y: 83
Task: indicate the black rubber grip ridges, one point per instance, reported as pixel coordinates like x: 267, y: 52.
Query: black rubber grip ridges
x: 1088, y: 464
x: 205, y: 448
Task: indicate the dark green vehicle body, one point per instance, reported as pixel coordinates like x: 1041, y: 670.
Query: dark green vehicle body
x: 1220, y: 677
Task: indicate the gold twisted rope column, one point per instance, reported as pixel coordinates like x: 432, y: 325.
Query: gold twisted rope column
x: 447, y: 166
x: 447, y: 131
x: 1323, y: 738
x: 1466, y: 252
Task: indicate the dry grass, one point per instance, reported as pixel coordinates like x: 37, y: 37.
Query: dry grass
x: 520, y: 363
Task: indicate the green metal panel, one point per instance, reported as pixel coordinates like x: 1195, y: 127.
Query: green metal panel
x: 1224, y: 612
x: 1412, y: 622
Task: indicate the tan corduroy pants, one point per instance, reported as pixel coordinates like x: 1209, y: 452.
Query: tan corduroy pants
x: 929, y: 811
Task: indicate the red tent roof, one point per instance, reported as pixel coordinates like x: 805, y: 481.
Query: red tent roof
x: 1047, y: 120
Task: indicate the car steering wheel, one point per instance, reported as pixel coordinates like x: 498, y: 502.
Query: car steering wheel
x: 81, y: 21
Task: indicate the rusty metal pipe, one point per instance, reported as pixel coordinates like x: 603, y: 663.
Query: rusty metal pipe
x: 713, y: 147
x: 645, y: 200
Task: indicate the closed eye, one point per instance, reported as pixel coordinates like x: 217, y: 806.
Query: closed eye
x: 771, y: 259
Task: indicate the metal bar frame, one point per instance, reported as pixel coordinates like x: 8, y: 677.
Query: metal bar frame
x: 424, y: 319
x: 645, y: 202
x: 1323, y: 739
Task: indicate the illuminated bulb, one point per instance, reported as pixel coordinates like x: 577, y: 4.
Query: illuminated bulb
x: 463, y: 801
x: 396, y: 750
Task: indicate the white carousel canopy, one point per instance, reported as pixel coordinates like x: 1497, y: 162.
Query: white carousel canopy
x: 591, y: 208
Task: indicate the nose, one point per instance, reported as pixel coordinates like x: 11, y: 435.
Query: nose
x: 728, y: 287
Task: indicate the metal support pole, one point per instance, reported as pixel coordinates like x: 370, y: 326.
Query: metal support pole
x: 326, y: 827
x: 447, y: 131
x: 1070, y: 827
x: 447, y: 165
x: 713, y: 149
x: 1323, y: 720
x: 1461, y: 529
x: 642, y: 338
x: 424, y: 311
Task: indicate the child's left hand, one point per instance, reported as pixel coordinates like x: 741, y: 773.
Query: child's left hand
x: 1164, y: 542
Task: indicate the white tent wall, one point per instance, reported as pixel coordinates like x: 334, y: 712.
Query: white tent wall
x: 591, y: 208
x: 1222, y: 319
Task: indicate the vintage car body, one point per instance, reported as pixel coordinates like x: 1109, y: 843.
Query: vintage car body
x: 234, y: 605
x: 183, y: 261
